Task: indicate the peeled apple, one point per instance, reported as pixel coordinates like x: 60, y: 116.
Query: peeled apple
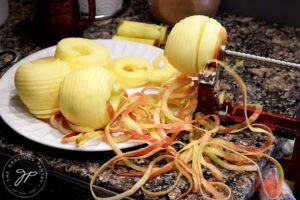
x: 37, y: 84
x: 193, y: 42
x: 85, y: 94
x: 81, y: 52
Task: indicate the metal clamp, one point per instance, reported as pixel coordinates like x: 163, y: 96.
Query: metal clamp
x: 207, y: 79
x: 210, y: 74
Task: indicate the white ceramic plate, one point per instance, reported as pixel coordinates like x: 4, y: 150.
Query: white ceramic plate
x: 14, y: 113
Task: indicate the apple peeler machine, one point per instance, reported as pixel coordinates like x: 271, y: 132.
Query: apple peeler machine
x: 281, y: 125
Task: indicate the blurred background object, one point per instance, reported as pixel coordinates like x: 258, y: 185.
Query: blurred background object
x: 3, y: 11
x: 104, y: 8
x: 55, y: 20
x: 283, y: 12
x: 171, y: 11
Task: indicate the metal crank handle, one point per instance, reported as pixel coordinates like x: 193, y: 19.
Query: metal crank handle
x: 257, y: 59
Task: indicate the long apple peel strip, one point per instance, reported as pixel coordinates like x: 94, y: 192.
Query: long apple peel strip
x: 206, y: 184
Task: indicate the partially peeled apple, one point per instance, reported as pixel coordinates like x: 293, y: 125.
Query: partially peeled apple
x: 193, y: 42
x: 87, y: 96
x: 37, y: 84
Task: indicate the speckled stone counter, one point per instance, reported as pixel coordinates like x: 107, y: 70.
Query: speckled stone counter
x: 277, y: 89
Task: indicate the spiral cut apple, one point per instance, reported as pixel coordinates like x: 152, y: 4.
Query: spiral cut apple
x: 87, y: 95
x: 37, y: 84
x: 193, y: 42
x: 80, y: 52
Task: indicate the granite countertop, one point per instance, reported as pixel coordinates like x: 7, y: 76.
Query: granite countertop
x: 277, y: 89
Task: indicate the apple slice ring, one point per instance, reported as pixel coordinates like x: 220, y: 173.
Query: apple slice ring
x: 132, y: 71
x: 163, y: 70
x: 81, y: 52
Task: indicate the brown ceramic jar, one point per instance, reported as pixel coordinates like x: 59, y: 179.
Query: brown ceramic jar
x: 57, y: 19
x: 171, y: 11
